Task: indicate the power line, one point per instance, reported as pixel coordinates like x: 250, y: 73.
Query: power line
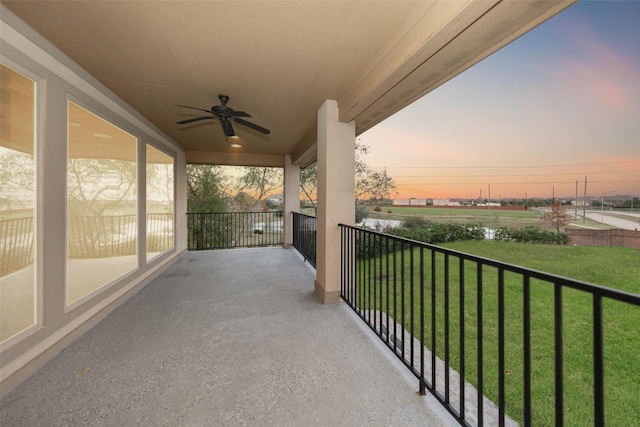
x: 502, y: 175
x: 512, y: 183
x: 507, y: 167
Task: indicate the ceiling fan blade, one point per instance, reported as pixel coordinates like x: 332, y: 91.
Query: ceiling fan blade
x: 228, y: 128
x: 193, y: 108
x: 183, y: 122
x: 253, y: 126
x: 234, y: 113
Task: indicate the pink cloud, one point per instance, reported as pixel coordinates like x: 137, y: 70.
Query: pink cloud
x: 601, y: 72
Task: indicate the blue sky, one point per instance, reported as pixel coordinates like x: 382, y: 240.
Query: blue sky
x: 558, y: 104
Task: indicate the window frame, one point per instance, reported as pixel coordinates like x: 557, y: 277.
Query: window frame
x: 68, y: 307
x: 39, y: 92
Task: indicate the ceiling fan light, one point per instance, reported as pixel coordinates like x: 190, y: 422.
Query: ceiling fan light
x: 235, y: 145
x: 233, y: 137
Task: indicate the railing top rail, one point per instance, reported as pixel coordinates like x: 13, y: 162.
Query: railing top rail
x: 303, y: 214
x: 234, y: 212
x: 592, y: 288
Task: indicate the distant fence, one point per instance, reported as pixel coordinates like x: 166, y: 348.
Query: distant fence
x: 613, y: 237
x: 233, y: 230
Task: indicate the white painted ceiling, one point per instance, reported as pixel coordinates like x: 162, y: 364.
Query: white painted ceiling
x: 276, y: 60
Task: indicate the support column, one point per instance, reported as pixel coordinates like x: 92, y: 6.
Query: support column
x: 336, y: 196
x: 291, y: 198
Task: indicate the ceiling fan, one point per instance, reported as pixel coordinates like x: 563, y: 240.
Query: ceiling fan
x: 225, y: 114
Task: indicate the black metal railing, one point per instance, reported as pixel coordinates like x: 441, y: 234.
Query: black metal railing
x: 304, y: 236
x: 493, y: 342
x: 95, y: 236
x: 233, y: 230
x: 101, y: 236
x: 16, y: 244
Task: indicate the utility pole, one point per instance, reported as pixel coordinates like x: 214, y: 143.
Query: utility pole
x: 575, y: 215
x: 584, y: 201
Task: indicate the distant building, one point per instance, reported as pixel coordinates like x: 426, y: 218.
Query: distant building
x: 580, y: 201
x: 411, y: 202
x: 445, y: 202
x: 426, y: 202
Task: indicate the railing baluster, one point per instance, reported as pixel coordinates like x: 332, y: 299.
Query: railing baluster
x: 433, y: 319
x: 395, y: 294
x: 598, y: 362
x: 369, y: 237
x: 446, y: 328
x: 501, y: 366
x: 422, y: 390
x: 526, y: 332
x: 557, y: 304
x: 479, y: 334
x: 402, y: 329
x: 411, y: 286
x: 387, y: 288
x: 461, y: 373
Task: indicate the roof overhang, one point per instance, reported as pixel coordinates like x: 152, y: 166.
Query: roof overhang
x: 278, y: 61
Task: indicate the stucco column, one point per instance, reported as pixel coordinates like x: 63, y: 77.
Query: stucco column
x: 336, y: 196
x: 291, y: 198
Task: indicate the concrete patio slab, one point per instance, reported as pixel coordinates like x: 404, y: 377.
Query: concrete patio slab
x: 233, y: 337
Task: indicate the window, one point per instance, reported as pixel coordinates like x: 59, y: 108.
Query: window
x: 18, y: 290
x: 159, y: 202
x: 101, y: 203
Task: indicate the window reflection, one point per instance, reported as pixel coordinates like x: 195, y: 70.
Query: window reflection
x: 101, y: 203
x: 159, y: 202
x: 18, y: 298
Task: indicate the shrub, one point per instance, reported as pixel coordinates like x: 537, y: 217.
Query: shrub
x: 431, y: 232
x: 361, y: 213
x: 531, y: 234
x: 427, y: 232
x: 414, y: 221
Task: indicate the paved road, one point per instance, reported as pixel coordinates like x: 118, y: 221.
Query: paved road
x: 606, y: 218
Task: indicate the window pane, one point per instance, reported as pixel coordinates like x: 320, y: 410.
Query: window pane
x: 17, y: 203
x: 101, y: 203
x: 159, y: 202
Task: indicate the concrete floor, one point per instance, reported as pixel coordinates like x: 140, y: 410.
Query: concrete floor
x: 232, y: 337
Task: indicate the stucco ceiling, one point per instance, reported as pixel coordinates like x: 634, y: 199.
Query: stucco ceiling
x: 277, y: 61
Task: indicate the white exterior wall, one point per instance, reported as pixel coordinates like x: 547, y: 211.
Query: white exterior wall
x: 58, y: 79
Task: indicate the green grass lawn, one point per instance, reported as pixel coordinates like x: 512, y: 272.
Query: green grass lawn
x: 612, y: 267
x: 492, y: 218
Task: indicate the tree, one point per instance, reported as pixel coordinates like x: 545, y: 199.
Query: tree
x: 557, y: 216
x: 373, y: 186
x: 309, y: 182
x: 259, y: 182
x: 17, y: 175
x: 95, y: 185
x: 206, y: 189
x: 634, y: 202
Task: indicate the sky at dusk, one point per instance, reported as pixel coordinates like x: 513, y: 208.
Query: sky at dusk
x: 558, y: 104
